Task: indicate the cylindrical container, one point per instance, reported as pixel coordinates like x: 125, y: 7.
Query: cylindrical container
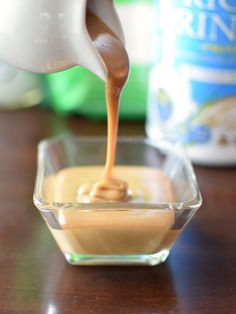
x: 192, y: 93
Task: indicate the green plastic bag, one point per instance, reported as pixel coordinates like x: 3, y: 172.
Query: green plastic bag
x: 77, y: 90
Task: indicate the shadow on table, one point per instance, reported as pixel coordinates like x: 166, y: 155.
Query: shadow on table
x: 83, y: 290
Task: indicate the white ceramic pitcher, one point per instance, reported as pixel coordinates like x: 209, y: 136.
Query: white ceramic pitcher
x: 46, y: 36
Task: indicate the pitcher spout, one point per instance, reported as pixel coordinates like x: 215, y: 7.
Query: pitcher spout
x: 89, y: 56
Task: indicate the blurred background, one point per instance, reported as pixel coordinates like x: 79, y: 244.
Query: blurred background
x: 182, y: 83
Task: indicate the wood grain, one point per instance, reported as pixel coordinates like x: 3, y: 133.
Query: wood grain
x: 199, y: 276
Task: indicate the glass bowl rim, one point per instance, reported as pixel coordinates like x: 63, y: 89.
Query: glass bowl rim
x: 47, y: 206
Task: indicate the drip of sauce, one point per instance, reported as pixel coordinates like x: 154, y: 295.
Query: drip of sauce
x: 115, y: 57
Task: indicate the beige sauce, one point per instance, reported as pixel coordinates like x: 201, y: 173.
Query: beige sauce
x: 109, y: 231
x: 148, y: 185
x: 116, y: 60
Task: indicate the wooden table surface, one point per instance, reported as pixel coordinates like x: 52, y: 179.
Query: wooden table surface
x: 198, y: 277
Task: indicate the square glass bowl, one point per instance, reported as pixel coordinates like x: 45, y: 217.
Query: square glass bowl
x: 165, y: 196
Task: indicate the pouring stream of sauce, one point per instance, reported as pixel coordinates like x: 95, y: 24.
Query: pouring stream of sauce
x: 115, y: 57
